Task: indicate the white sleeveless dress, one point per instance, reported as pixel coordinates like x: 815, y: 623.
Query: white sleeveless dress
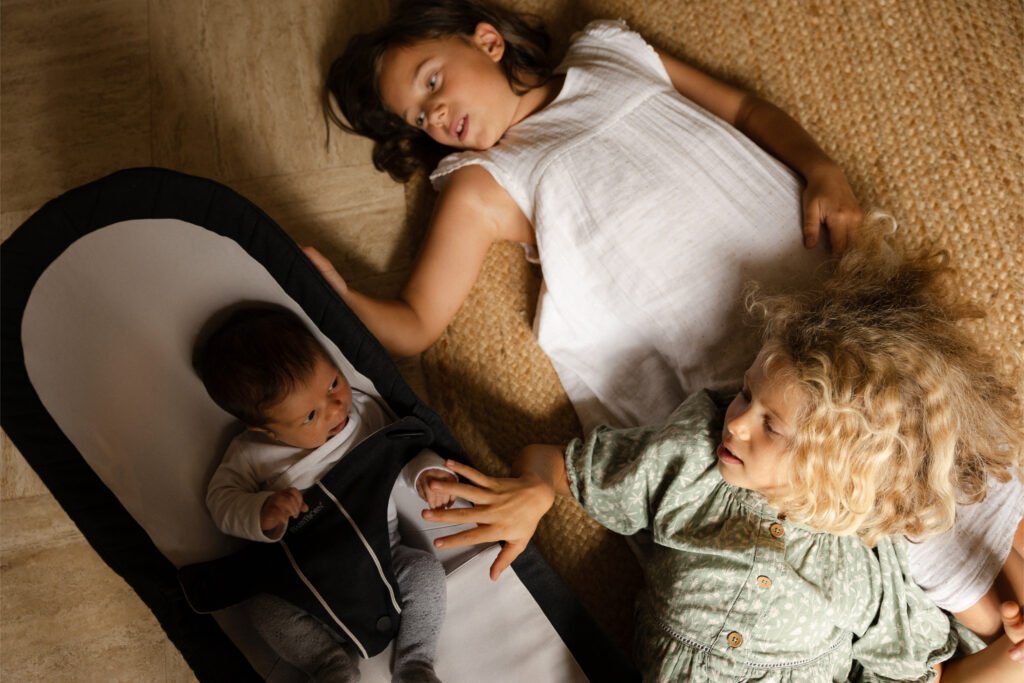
x: 650, y: 216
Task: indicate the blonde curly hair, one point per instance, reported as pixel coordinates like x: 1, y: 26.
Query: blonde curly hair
x: 905, y: 415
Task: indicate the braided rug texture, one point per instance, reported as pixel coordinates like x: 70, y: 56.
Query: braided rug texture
x: 920, y: 101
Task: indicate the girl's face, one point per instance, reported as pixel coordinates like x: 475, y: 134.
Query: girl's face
x: 452, y: 88
x: 759, y: 425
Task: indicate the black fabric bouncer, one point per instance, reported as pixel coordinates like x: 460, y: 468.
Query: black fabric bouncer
x: 104, y: 291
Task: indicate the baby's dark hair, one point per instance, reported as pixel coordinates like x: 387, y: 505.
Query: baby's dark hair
x: 253, y: 359
x: 401, y: 149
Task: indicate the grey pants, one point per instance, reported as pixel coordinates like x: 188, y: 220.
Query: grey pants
x: 304, y: 642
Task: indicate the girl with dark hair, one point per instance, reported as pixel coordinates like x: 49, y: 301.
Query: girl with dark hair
x: 624, y: 171
x: 401, y: 149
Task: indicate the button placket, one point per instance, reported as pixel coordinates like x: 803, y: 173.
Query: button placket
x: 753, y: 605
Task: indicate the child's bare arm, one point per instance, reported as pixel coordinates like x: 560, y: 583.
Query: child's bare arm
x: 983, y: 617
x: 505, y: 509
x: 1013, y: 626
x: 1001, y: 661
x: 827, y: 199
x: 471, y: 213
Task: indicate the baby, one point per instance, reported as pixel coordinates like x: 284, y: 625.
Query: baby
x: 266, y: 368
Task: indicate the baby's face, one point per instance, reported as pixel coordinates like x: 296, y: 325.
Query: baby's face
x: 759, y: 426
x: 316, y: 409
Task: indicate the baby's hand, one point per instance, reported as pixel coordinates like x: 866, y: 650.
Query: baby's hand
x: 327, y: 269
x: 828, y: 200
x: 280, y: 507
x: 435, y: 499
x: 504, y: 509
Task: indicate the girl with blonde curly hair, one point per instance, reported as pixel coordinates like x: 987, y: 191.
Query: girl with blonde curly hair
x: 773, y: 527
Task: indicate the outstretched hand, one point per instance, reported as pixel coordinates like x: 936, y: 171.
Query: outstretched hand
x: 505, y: 509
x: 828, y: 201
x: 327, y: 269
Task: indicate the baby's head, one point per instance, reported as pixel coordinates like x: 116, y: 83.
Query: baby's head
x: 440, y: 74
x: 264, y: 366
x: 878, y: 410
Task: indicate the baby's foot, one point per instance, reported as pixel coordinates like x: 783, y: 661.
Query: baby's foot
x: 415, y: 672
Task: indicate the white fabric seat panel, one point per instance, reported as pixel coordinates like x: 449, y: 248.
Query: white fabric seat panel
x: 108, y: 334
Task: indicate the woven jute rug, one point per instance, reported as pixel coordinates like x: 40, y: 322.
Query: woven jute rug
x: 921, y: 103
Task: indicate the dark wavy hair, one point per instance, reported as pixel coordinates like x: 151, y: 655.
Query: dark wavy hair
x: 255, y: 358
x: 401, y: 149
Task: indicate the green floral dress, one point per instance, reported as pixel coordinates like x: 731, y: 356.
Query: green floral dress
x: 733, y: 592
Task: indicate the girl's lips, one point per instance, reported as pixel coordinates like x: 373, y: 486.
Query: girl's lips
x: 464, y: 122
x: 725, y: 455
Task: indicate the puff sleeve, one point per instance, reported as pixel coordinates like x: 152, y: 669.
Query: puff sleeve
x: 908, y: 634
x: 623, y: 478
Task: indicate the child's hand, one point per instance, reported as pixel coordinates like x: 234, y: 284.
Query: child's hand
x: 505, y: 510
x: 828, y: 201
x: 280, y: 507
x: 435, y: 497
x: 1013, y: 625
x: 327, y: 269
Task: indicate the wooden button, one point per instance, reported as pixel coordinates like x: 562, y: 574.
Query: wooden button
x: 734, y: 639
x: 764, y: 582
x: 777, y: 530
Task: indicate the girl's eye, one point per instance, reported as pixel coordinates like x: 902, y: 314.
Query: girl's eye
x: 334, y: 385
x: 310, y: 417
x: 768, y: 425
x: 421, y: 119
x: 432, y: 83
